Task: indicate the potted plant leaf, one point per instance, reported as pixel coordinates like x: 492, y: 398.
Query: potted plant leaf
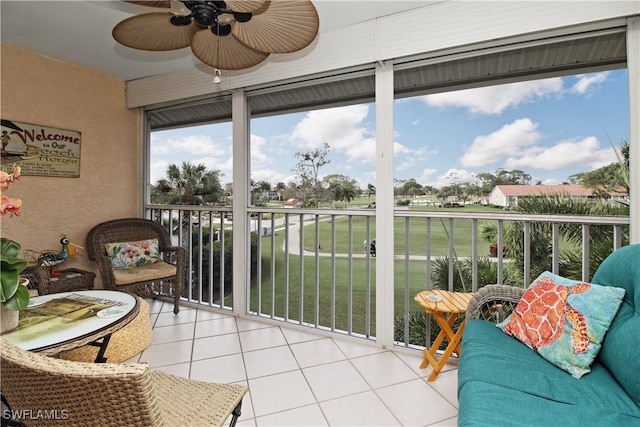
x: 13, y: 296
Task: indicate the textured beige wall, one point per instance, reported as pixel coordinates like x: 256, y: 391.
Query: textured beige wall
x: 40, y: 90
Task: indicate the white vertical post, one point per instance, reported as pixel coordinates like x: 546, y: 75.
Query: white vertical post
x: 145, y: 155
x: 384, y: 204
x: 241, y: 171
x: 633, y: 67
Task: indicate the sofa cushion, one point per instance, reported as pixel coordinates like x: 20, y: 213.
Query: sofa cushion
x: 490, y: 357
x: 621, y: 349
x: 157, y: 270
x: 136, y: 254
x: 489, y: 405
x: 564, y: 320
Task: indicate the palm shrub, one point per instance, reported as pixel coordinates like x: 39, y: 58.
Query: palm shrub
x: 463, y: 274
x: 213, y: 254
x: 462, y: 281
x: 417, y: 321
x: 541, y: 237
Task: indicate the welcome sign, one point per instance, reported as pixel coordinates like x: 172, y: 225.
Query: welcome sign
x: 40, y: 150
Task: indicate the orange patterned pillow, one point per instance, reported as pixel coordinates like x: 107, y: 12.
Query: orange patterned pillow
x: 564, y: 320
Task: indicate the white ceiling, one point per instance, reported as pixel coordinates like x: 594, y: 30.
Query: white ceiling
x: 80, y: 31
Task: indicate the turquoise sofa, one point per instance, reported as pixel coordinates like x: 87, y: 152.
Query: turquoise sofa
x: 502, y: 382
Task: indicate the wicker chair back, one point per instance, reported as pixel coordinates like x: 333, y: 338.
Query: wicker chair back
x: 135, y: 229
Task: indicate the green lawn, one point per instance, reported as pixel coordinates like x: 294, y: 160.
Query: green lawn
x: 348, y: 287
x: 353, y: 298
x: 350, y: 290
x: 346, y: 242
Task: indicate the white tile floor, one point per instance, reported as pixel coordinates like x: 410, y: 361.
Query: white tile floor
x: 298, y: 378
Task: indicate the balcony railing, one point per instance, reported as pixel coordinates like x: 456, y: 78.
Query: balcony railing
x: 316, y: 268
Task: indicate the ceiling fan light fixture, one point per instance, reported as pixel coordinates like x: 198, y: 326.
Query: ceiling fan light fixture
x: 242, y: 16
x: 217, y: 78
x: 228, y: 35
x: 221, y: 29
x: 179, y: 20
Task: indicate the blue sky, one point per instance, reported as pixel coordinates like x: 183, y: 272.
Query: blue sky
x: 550, y: 129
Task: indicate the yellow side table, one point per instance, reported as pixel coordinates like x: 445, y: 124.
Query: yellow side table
x: 445, y: 307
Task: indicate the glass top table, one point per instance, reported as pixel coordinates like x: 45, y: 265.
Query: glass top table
x: 57, y: 322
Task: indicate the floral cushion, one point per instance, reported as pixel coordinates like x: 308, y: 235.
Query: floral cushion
x: 125, y: 255
x: 564, y: 321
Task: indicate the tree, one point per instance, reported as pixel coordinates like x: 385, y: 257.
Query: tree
x: 308, y: 167
x: 206, y: 261
x: 341, y: 188
x: 371, y: 191
x: 447, y: 191
x: 280, y: 187
x: 263, y: 186
x: 411, y: 187
x: 397, y: 186
x: 228, y: 192
x: 502, y: 177
x: 188, y: 184
x: 429, y: 189
x: 163, y: 193
x: 261, y: 191
x: 613, y: 177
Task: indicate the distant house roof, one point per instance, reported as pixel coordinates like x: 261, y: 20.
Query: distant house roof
x: 292, y: 202
x: 536, y: 190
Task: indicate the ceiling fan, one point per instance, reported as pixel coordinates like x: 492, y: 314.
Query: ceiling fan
x: 228, y: 35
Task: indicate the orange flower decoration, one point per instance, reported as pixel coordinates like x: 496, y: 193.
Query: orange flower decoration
x: 9, y: 205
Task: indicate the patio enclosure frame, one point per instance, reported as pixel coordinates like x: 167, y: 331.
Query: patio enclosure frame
x: 574, y: 48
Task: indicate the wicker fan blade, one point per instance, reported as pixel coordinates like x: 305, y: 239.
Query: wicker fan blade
x: 166, y: 4
x: 226, y: 53
x: 253, y: 6
x: 286, y: 26
x: 153, y: 31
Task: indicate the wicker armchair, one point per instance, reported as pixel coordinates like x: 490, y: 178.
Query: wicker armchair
x: 154, y: 282
x: 45, y: 391
x: 494, y: 302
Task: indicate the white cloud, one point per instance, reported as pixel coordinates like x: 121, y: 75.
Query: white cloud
x: 426, y: 176
x: 551, y: 181
x: 504, y: 143
x: 222, y: 164
x: 364, y: 151
x: 158, y: 169
x: 271, y: 176
x: 406, y: 158
x: 196, y: 149
x: 226, y: 166
x: 368, y: 178
x: 496, y: 99
x: 259, y: 159
x: 586, y: 82
x: 191, y: 144
x: 585, y: 152
x: 401, y: 149
x: 343, y: 128
x: 455, y: 176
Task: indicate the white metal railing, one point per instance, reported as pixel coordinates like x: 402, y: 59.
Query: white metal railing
x: 316, y: 268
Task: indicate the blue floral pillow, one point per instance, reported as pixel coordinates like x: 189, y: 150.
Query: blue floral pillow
x: 564, y: 321
x: 125, y: 255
